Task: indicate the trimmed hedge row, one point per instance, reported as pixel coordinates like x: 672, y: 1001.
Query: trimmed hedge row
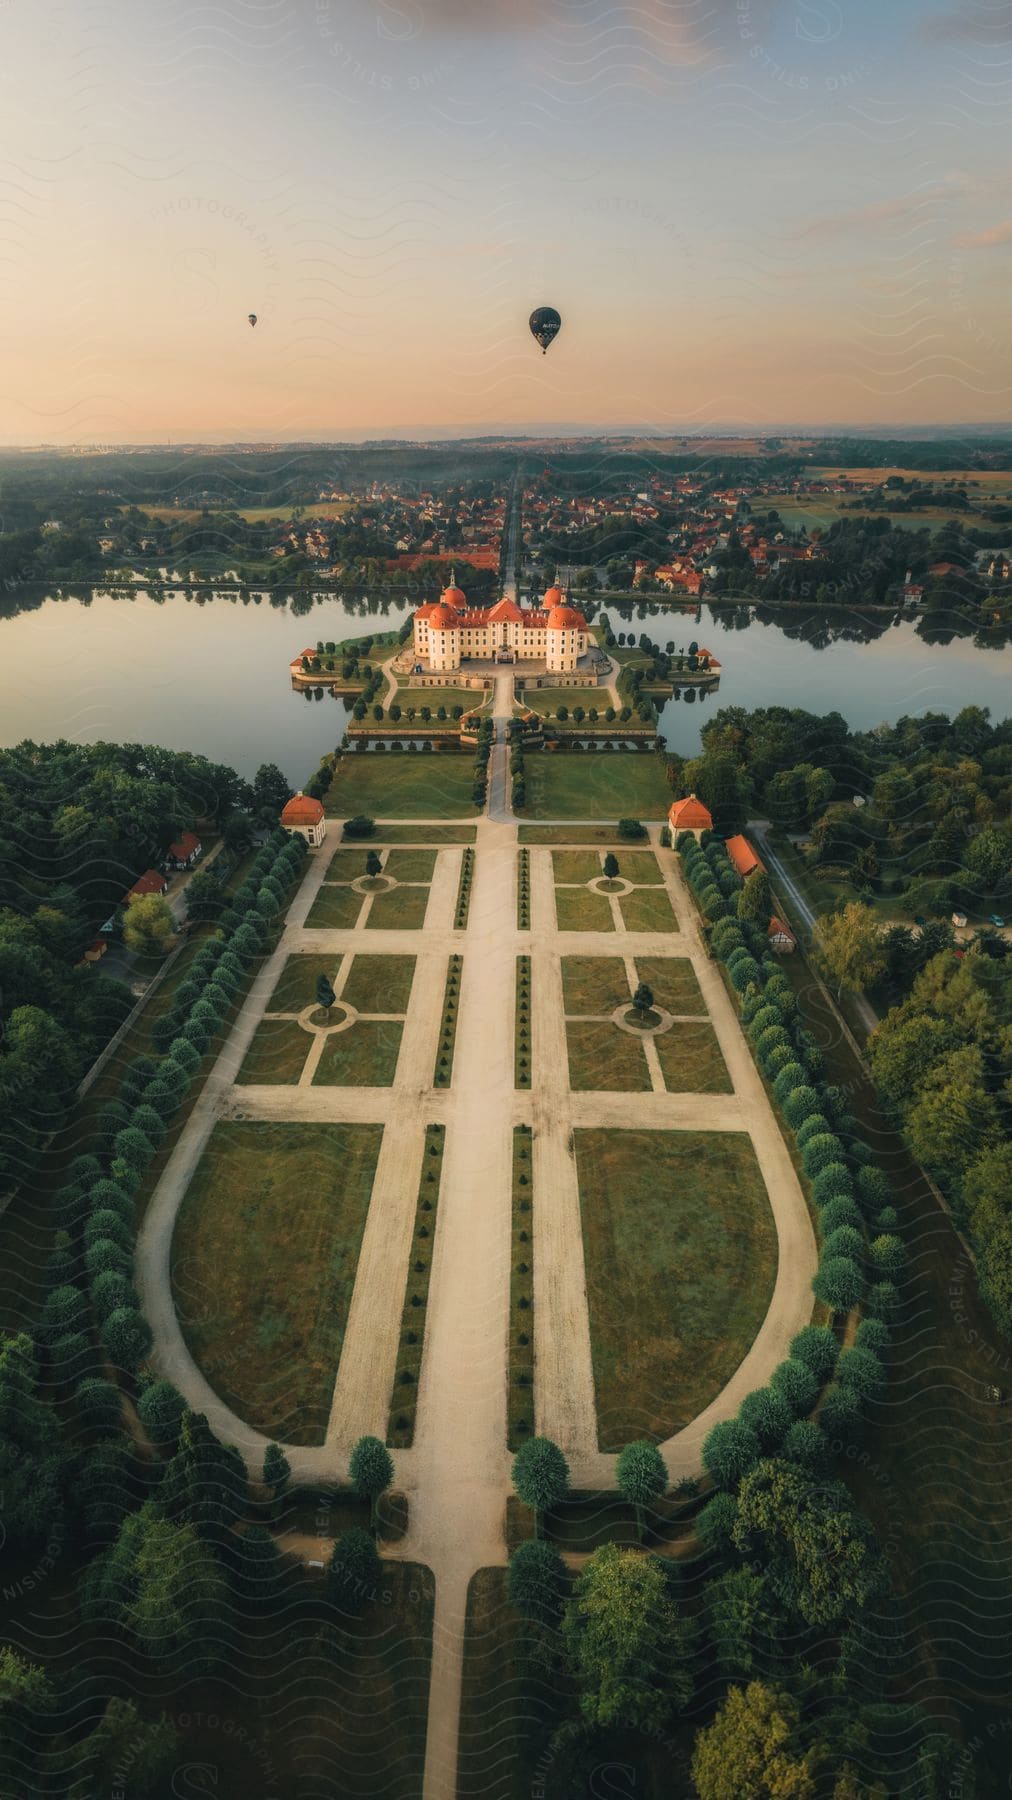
x: 861, y: 1259
x: 95, y: 1208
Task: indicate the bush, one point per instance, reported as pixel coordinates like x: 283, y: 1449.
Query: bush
x: 773, y: 1037
x: 800, y: 1105
x: 814, y: 1126
x: 838, y: 1283
x: 795, y: 1381
x: 873, y: 1335
x: 832, y: 1183
x: 537, y: 1582
x: 164, y: 1098
x: 99, y: 1405
x: 730, y: 1450
x: 631, y: 829
x: 160, y: 1409
x: 104, y: 1223
x: 768, y: 1414
x: 806, y: 1444
x: 845, y: 1241
x: 840, y: 1414
x: 133, y: 1148
x: 354, y: 1571
x: 361, y: 826
x: 146, y: 1119
x: 71, y: 1358
x: 861, y: 1370
x: 840, y: 1210
x: 112, y: 1196
x: 874, y: 1189
x: 745, y: 973
x: 816, y: 1346
x: 109, y: 1291
x: 65, y: 1309
x: 127, y: 1338
x: 788, y: 1080
x: 821, y: 1149
x: 888, y: 1257
x: 882, y: 1301
x: 717, y: 1521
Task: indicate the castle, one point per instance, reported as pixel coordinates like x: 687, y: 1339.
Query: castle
x: 448, y: 632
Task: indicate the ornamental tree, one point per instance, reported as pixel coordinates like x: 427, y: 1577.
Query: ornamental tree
x: 372, y: 1470
x: 642, y: 1476
x: 540, y: 1476
x: 626, y: 1643
x: 537, y: 1582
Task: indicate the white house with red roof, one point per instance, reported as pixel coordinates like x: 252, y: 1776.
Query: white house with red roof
x: 304, y: 814
x: 449, y: 633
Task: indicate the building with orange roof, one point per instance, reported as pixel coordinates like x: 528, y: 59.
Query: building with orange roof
x: 449, y: 633
x: 690, y: 815
x: 743, y: 857
x: 781, y: 937
x: 304, y: 814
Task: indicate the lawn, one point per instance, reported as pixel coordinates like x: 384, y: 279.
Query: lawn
x: 334, y: 909
x: 276, y: 1056
x: 471, y: 699
x: 296, y: 985
x: 420, y: 834
x: 402, y: 787
x: 410, y: 865
x: 576, y: 865
x: 596, y: 785
x: 548, y: 700
x: 673, y: 980
x: 401, y: 909
x: 379, y: 984
x: 647, y: 909
x: 691, y: 1062
x: 569, y: 834
x: 347, y: 864
x: 263, y: 1265
x: 603, y: 1059
x: 681, y: 1258
x: 640, y: 867
x: 577, y: 909
x: 364, y: 1056
x: 594, y: 984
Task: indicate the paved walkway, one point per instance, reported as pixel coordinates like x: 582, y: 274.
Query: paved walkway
x: 456, y: 1476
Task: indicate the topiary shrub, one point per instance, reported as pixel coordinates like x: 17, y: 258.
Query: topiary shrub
x: 888, y: 1257
x: 99, y: 1405
x: 147, y: 1120
x: 874, y: 1189
x: 844, y: 1241
x: 799, y: 1105
x: 160, y: 1410
x: 354, y: 1571
x: 104, y: 1223
x: 767, y: 1413
x: 111, y: 1195
x: 832, y: 1183
x: 744, y: 974
x: 838, y: 1283
x: 105, y: 1254
x: 132, y: 1147
x: 806, y: 1444
x: 716, y: 1522
x: 730, y: 1450
x: 816, y: 1125
x: 841, y: 1210
x: 790, y: 1078
x: 65, y: 1310
x: 874, y: 1334
x: 126, y: 1337
x: 816, y: 1346
x: 795, y: 1381
x: 72, y: 1358
x: 109, y: 1290
x: 882, y: 1301
x: 840, y: 1415
x: 821, y: 1150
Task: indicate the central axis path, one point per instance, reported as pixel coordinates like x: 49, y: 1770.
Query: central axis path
x: 460, y: 1463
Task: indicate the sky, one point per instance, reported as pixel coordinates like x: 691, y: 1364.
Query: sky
x: 750, y: 213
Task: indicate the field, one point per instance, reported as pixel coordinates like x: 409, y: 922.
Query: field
x: 596, y: 785
x: 647, y: 910
x: 603, y: 1059
x: 263, y: 1265
x: 320, y: 509
x: 402, y: 787
x: 681, y: 1258
x: 577, y: 909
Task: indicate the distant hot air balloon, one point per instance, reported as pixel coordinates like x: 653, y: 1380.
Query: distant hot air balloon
x: 545, y: 326
x: 252, y: 318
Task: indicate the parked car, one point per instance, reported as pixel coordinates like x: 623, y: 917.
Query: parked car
x: 996, y: 919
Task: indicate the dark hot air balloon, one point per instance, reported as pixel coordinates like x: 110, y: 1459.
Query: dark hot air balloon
x: 545, y: 326
x: 252, y: 318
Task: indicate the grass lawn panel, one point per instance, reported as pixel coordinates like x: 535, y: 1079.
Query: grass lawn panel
x: 621, y: 784
x: 673, y: 980
x: 347, y: 864
x: 364, y: 1056
x: 647, y: 909
x: 604, y: 1059
x: 263, y: 1265
x: 296, y: 985
x: 379, y: 984
x: 570, y: 834
x: 691, y: 1061
x: 547, y: 699
x: 420, y: 834
x: 410, y: 865
x: 576, y: 865
x: 276, y: 1056
x: 400, y: 909
x: 335, y: 909
x: 402, y: 787
x: 681, y: 1258
x: 577, y: 909
x: 594, y: 984
x: 640, y: 867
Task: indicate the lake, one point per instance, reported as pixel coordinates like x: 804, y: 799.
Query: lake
x: 210, y: 673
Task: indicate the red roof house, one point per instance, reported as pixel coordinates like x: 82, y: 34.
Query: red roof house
x: 185, y: 851
x: 781, y: 937
x: 304, y: 814
x: 743, y: 857
x: 151, y: 882
x: 689, y: 815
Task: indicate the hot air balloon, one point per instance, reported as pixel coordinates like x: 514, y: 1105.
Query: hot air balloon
x: 252, y: 318
x: 545, y: 326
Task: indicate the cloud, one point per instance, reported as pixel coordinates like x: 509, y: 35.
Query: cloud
x: 986, y: 240
x: 878, y: 212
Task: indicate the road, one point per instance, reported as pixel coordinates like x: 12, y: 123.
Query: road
x: 756, y: 828
x: 511, y: 533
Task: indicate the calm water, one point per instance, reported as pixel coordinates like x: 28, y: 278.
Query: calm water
x: 211, y: 674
